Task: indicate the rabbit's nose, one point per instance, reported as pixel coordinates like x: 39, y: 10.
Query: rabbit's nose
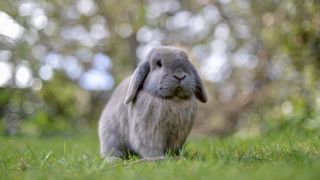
x: 179, y: 76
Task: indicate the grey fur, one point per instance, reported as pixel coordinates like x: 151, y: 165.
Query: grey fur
x: 152, y: 112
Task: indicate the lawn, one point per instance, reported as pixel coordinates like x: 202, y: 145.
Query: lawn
x: 289, y: 154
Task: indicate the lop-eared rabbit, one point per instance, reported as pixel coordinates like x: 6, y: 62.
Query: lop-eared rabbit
x: 151, y: 112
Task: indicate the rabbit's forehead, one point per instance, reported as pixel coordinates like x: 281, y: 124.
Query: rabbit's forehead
x: 169, y: 55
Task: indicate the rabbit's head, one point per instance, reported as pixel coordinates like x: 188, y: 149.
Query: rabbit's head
x: 166, y: 74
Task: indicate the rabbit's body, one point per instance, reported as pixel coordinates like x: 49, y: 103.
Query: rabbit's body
x: 156, y: 115
x: 159, y: 125
x: 113, y: 124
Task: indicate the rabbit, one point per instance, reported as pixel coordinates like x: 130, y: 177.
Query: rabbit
x: 151, y: 112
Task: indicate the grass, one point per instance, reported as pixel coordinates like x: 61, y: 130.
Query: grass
x: 290, y: 154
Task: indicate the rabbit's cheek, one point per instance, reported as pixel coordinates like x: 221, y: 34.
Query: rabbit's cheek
x: 166, y: 92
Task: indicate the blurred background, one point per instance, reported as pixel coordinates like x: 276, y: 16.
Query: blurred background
x: 60, y: 60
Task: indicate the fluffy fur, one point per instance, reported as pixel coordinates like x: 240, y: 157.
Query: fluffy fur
x: 152, y: 112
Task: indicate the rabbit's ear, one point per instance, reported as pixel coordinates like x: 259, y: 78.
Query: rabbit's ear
x: 199, y: 91
x: 137, y: 80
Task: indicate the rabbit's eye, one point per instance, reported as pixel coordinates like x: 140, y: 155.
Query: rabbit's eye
x: 159, y: 63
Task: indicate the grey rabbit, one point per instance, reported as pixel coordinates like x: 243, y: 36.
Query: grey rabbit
x: 151, y: 112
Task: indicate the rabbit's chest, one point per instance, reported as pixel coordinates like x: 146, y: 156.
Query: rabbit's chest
x: 163, y: 121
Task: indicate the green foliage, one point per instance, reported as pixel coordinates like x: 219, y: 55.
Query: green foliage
x: 61, y: 105
x: 259, y: 59
x: 290, y: 154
